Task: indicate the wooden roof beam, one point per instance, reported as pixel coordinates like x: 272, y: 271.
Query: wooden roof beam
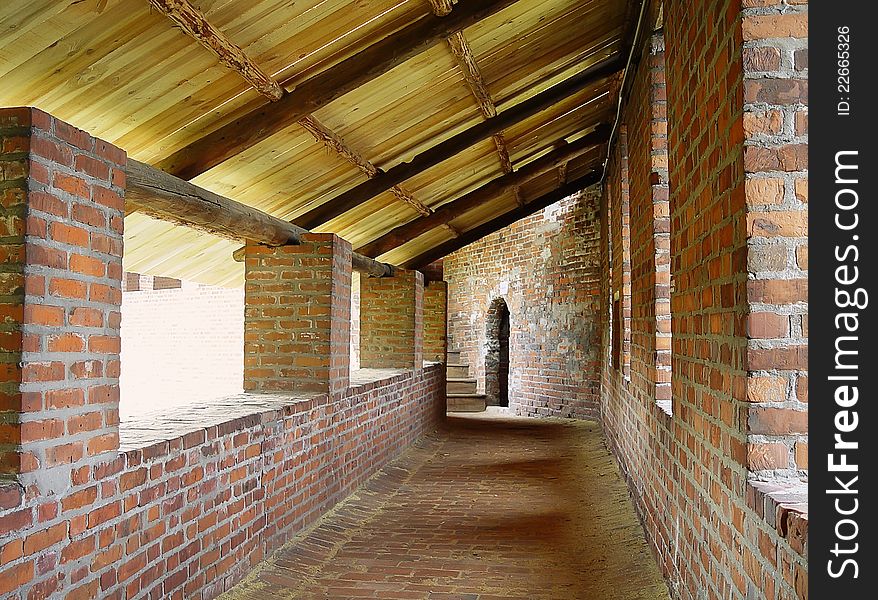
x: 472, y: 74
x: 334, y: 142
x: 493, y: 189
x: 433, y: 156
x: 501, y: 221
x: 318, y: 91
x: 194, y: 23
x: 168, y: 198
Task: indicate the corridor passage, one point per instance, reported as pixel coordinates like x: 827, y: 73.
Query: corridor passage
x: 494, y: 507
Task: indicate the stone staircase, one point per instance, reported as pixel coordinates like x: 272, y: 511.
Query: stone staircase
x: 461, y: 393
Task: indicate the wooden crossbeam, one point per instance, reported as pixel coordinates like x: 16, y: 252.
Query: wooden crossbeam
x: 162, y: 196
x: 457, y: 143
x: 318, y: 91
x: 194, y: 23
x: 501, y: 221
x: 494, y: 189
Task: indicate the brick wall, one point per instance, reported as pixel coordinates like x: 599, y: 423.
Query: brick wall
x: 297, y: 315
x: 718, y: 530
x: 618, y: 207
x: 647, y: 176
x: 546, y: 267
x: 776, y: 189
x: 189, y: 517
x: 435, y: 321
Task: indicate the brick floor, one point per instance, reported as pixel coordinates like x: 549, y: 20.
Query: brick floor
x: 494, y: 507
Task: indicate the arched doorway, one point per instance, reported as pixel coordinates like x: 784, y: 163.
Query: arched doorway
x: 497, y: 353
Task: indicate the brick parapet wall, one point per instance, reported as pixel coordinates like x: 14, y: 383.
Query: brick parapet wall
x: 546, y: 267
x: 392, y: 320
x: 716, y: 531
x: 189, y: 517
x: 62, y: 248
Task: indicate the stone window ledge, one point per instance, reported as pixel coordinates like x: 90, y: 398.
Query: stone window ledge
x: 784, y: 506
x: 160, y: 432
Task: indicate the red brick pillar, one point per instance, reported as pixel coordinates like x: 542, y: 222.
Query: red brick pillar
x: 297, y: 303
x: 391, y: 321
x: 60, y: 296
x: 435, y: 321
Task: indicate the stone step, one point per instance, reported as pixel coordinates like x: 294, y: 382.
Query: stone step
x: 461, y: 385
x: 465, y: 402
x: 453, y: 357
x: 457, y: 370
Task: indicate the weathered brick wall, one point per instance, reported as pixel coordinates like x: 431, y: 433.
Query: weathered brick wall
x: 189, y: 517
x: 776, y: 189
x: 546, y: 267
x: 297, y: 315
x: 620, y: 255
x: 716, y: 531
x: 647, y: 176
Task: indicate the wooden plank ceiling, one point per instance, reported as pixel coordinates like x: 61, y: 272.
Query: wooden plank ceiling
x: 153, y: 85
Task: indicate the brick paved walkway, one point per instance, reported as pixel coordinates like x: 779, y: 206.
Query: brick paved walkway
x: 491, y: 508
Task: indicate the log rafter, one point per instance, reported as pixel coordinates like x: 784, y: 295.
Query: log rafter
x: 168, y: 198
x: 441, y: 7
x: 232, y: 56
x: 318, y: 91
x: 334, y: 142
x: 472, y: 74
x: 196, y: 25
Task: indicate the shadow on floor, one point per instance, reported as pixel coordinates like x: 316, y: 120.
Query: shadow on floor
x: 490, y: 507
